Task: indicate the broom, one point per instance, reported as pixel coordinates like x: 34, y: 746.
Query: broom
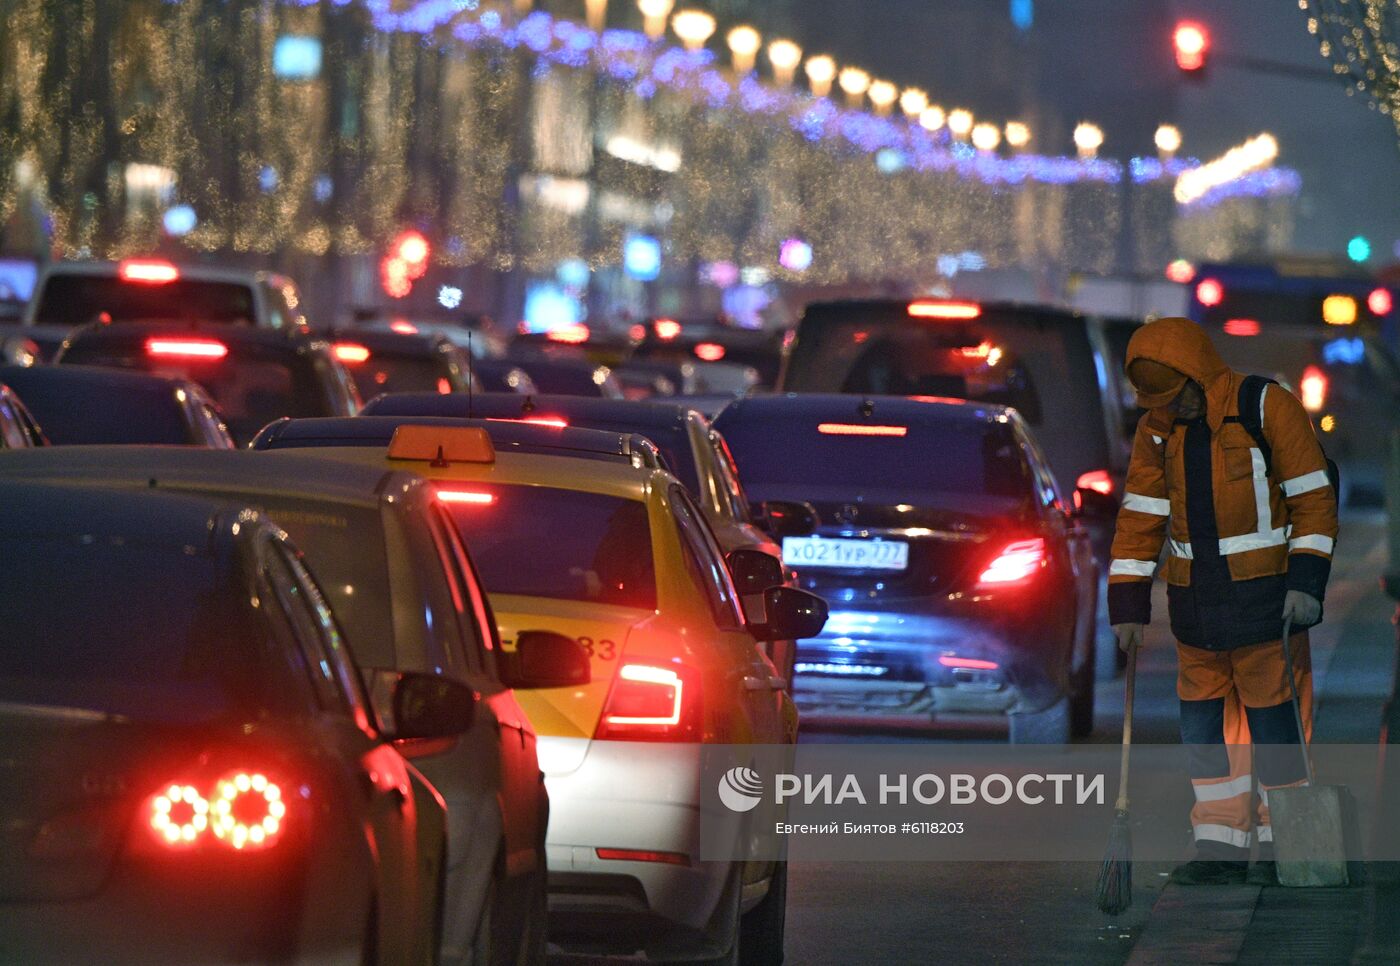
x: 1114, y: 891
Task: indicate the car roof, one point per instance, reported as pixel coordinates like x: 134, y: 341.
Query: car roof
x: 642, y: 415
x: 400, y: 343
x: 46, y: 509
x: 286, y: 474
x: 506, y: 435
x: 841, y: 307
x: 542, y: 468
x: 293, y: 339
x: 193, y: 271
x: 927, y: 409
x: 85, y: 376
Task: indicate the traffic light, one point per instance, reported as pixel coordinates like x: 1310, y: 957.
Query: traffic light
x: 1191, y: 43
x: 405, y: 263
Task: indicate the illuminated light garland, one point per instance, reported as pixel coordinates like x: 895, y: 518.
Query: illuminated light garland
x: 1255, y: 154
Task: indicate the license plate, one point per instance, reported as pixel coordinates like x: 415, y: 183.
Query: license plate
x: 846, y: 554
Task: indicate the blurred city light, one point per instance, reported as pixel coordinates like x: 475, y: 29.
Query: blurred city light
x: 821, y: 71
x: 1359, y: 249
x: 784, y: 55
x: 179, y: 220
x: 960, y: 122
x: 913, y: 101
x: 641, y: 257
x: 296, y: 57
x: 1167, y: 139
x: 1018, y: 134
x: 795, y: 255
x: 1088, y: 138
x: 743, y: 42
x: 693, y: 27
x: 1258, y: 152
x: 449, y: 296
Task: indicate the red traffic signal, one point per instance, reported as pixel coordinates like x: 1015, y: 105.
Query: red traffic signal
x: 1191, y: 42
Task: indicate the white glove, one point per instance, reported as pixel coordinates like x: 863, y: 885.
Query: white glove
x: 1129, y: 635
x: 1302, y: 609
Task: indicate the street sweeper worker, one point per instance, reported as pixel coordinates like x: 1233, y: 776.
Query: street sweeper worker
x: 1226, y: 471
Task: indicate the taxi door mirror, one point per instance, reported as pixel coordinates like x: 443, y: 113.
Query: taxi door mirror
x: 544, y: 659
x: 753, y: 570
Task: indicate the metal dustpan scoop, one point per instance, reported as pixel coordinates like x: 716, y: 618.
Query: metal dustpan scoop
x: 1309, y: 821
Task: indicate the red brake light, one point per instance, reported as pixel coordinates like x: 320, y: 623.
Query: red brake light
x: 444, y: 387
x: 652, y: 703
x: 148, y: 271
x: 637, y: 332
x: 552, y: 421
x: 571, y: 334
x: 1312, y: 389
x: 471, y: 497
x: 350, y: 352
x: 1097, y: 480
x: 709, y: 351
x: 1380, y: 301
x: 969, y: 663
x: 644, y: 855
x: 1242, y: 327
x: 666, y: 329
x: 860, y: 429
x: 244, y: 811
x: 929, y: 309
x: 1210, y: 292
x: 403, y: 327
x: 1018, y: 561
x: 186, y: 348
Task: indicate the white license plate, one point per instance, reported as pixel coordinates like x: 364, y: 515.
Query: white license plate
x: 845, y: 554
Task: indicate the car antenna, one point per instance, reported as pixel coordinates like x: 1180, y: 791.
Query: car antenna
x: 528, y: 406
x: 867, y: 407
x: 471, y: 375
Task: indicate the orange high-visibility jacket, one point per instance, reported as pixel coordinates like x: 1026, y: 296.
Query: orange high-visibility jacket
x: 1270, y: 532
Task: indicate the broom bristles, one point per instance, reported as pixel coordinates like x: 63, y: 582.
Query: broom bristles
x: 1114, y: 890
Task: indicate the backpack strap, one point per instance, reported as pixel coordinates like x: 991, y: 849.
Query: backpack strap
x: 1251, y: 414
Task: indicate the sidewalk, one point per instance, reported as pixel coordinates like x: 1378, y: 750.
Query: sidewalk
x: 1355, y: 677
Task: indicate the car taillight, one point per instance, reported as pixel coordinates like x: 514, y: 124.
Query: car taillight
x: 186, y: 348
x: 709, y: 351
x: 1242, y: 327
x: 147, y: 271
x: 666, y: 329
x: 1380, y: 301
x: 403, y: 327
x: 967, y: 663
x: 1097, y: 480
x: 860, y: 429
x: 570, y: 334
x: 651, y: 703
x: 1312, y: 389
x: 243, y: 811
x: 471, y: 497
x: 934, y: 309
x: 350, y: 352
x: 1209, y: 292
x: 1017, y: 561
x: 644, y: 855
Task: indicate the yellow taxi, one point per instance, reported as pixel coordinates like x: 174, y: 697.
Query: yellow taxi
x: 574, y: 531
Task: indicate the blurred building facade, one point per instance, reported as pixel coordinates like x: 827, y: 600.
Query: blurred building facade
x: 558, y: 173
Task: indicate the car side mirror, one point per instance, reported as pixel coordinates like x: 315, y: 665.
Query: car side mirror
x: 544, y: 659
x: 788, y: 518
x: 412, y: 704
x: 791, y: 614
x: 1094, y: 505
x: 753, y: 570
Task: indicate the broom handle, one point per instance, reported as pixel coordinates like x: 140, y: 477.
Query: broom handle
x: 1129, y: 681
x: 1293, y: 690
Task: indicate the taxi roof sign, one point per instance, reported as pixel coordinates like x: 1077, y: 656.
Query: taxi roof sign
x: 442, y: 445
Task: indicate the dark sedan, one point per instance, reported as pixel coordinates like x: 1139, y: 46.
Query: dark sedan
x: 255, y: 375
x: 83, y: 405
x: 194, y: 772
x: 960, y: 578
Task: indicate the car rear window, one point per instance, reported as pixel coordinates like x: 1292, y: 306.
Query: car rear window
x: 253, y: 386
x: 541, y: 541
x: 74, y: 414
x: 127, y: 629
x: 966, y: 458
x: 79, y: 299
x: 883, y: 352
x: 395, y: 372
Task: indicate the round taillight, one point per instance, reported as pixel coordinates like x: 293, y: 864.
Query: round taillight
x: 179, y: 815
x: 247, y: 810
x: 1210, y: 292
x: 1380, y: 301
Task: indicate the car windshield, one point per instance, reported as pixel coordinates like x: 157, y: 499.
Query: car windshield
x: 114, y: 626
x: 252, y: 386
x: 78, y: 299
x: 542, y: 541
x: 963, y: 457
x: 71, y: 413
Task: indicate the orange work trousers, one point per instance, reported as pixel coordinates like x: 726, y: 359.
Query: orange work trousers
x: 1237, y: 717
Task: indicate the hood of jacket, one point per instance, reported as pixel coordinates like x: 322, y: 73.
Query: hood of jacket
x: 1184, y: 346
